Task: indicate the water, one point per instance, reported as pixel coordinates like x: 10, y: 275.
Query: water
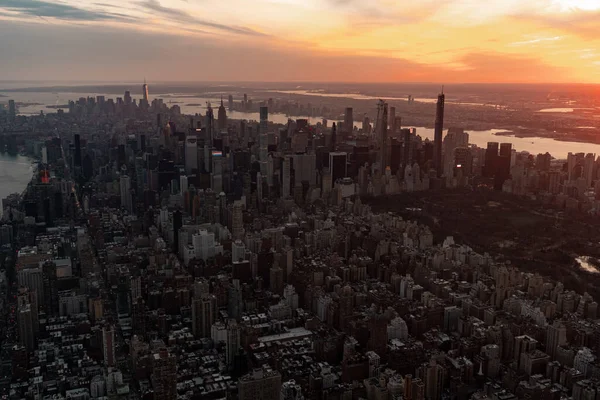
x: 194, y: 104
x: 15, y: 174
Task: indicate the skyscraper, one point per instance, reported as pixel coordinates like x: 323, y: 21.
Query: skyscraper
x: 382, y: 126
x: 287, y: 169
x: 126, y: 201
x: 164, y: 375
x: 222, y: 117
x: 210, y: 126
x: 230, y: 102
x: 108, y: 346
x: 77, y: 158
x: 145, y: 92
x: 233, y: 341
x: 338, y: 166
x: 191, y: 155
x: 556, y: 336
x: 333, y: 138
x: 263, y: 140
x: 348, y: 120
x: 237, y: 221
x: 204, y: 314
x: 439, y: 128
x: 12, y: 110
x: 392, y: 120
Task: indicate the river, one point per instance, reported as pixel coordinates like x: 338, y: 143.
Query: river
x: 15, y: 174
x: 191, y: 104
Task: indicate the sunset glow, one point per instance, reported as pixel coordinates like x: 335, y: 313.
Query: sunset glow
x: 379, y: 40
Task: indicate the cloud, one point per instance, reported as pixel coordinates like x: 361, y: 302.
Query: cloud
x: 538, y: 40
x: 175, y: 14
x: 43, y: 9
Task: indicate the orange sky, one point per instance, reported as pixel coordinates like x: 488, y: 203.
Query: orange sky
x: 319, y: 40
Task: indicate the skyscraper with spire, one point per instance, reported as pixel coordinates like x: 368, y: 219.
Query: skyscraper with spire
x: 222, y: 117
x: 439, y: 128
x: 382, y: 127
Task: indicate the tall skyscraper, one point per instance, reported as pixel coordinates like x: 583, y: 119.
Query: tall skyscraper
x: 556, y: 336
x: 338, y: 166
x: 287, y: 170
x: 233, y: 341
x: 126, y: 200
x: 222, y: 117
x: 392, y: 120
x: 50, y: 288
x: 263, y: 140
x: 77, y: 158
x: 348, y: 120
x: 210, y: 126
x: 491, y: 160
x: 439, y: 128
x: 237, y: 221
x: 12, y: 110
x: 333, y: 138
x: 204, y: 314
x: 164, y: 375
x: 127, y: 98
x: 145, y: 92
x: 191, y: 155
x: 109, y: 346
x: 382, y: 126
x: 230, y: 102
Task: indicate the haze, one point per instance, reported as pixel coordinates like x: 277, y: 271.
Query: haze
x: 448, y: 41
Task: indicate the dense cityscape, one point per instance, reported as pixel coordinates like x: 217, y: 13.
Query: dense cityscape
x: 159, y: 255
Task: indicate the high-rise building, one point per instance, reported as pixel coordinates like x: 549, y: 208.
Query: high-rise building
x: 261, y: 384
x: 286, y: 179
x: 556, y: 336
x: 50, y: 288
x: 454, y: 139
x: 126, y: 200
x: 204, y: 314
x: 27, y: 318
x: 338, y: 166
x: 433, y: 375
x: 348, y: 120
x: 263, y: 140
x: 12, y: 110
x: 25, y: 324
x: 333, y: 138
x: 230, y: 102
x: 382, y: 127
x: 392, y: 120
x: 77, y: 158
x: 222, y: 117
x: 109, y: 346
x: 237, y: 221
x: 233, y: 341
x: 191, y: 155
x: 439, y: 128
x: 145, y: 92
x: 491, y: 160
x: 164, y: 375
x: 210, y: 127
x: 127, y: 98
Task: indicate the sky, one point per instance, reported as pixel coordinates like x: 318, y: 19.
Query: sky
x: 451, y: 41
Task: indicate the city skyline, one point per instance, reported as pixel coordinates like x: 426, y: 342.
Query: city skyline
x: 288, y: 40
